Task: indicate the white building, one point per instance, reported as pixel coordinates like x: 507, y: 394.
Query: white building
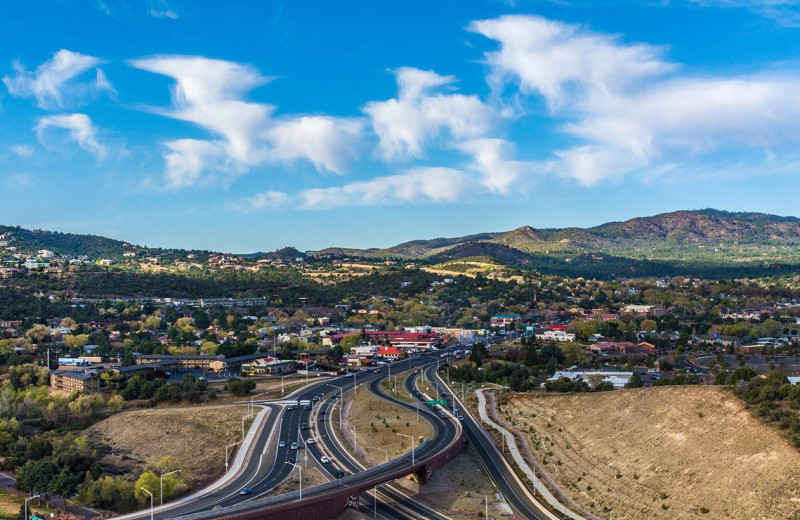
x: 618, y: 379
x: 556, y: 335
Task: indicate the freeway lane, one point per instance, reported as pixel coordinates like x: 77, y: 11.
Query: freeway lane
x: 210, y: 497
x: 401, y: 502
x: 517, y: 495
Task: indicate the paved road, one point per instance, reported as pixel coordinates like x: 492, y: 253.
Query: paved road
x: 266, y: 465
x: 503, y: 476
x: 444, y: 438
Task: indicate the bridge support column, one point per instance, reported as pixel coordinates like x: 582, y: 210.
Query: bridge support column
x: 424, y: 474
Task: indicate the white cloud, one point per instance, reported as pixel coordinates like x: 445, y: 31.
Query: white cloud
x: 421, y: 185
x: 187, y: 159
x: 326, y: 141
x: 210, y: 93
x: 498, y: 172
x: 160, y: 9
x: 22, y: 150
x: 420, y: 113
x: 627, y: 108
x: 563, y: 62
x: 80, y: 129
x: 52, y: 83
x: 266, y: 199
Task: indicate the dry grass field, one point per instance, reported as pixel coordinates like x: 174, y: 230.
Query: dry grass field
x: 195, y: 436
x: 660, y: 453
x: 377, y: 424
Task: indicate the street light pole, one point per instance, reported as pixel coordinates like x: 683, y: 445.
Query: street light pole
x: 486, y: 515
x: 161, y: 479
x: 151, y: 502
x: 413, y: 446
x: 301, y: 477
x: 26, y: 504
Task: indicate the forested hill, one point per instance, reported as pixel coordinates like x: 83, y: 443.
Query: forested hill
x: 682, y: 241
x: 704, y: 235
x: 30, y: 241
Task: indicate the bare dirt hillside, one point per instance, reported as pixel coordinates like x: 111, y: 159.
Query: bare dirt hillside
x: 195, y: 436
x: 661, y: 453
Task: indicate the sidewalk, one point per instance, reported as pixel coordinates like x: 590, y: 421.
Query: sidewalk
x: 511, y: 443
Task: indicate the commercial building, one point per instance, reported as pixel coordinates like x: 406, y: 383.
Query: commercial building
x: 85, y: 382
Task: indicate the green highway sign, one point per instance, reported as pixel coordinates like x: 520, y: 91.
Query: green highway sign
x: 434, y: 402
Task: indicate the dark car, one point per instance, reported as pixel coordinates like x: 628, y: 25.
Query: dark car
x: 290, y: 460
x: 245, y: 491
x: 315, y: 398
x: 321, y: 419
x: 304, y: 426
x: 339, y: 473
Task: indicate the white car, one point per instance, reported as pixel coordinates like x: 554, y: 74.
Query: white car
x: 324, y: 459
x: 310, y: 441
x: 282, y: 444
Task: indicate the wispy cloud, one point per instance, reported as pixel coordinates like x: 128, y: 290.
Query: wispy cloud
x: 264, y: 200
x: 80, y: 129
x: 161, y: 9
x: 53, y: 83
x: 211, y: 94
x: 22, y: 150
x: 629, y: 108
x: 786, y: 13
x: 417, y: 186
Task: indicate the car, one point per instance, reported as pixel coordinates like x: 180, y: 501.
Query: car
x: 339, y: 473
x: 334, y: 397
x: 310, y: 441
x: 245, y: 491
x: 376, y: 371
x: 322, y: 412
x: 324, y: 459
x: 290, y: 460
x: 282, y: 444
x: 307, y: 407
x: 315, y: 398
x: 294, y: 446
x: 321, y: 419
x: 442, y: 416
x: 460, y: 417
x: 290, y: 408
x: 304, y: 426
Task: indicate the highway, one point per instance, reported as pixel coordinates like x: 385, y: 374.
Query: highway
x: 515, y: 493
x: 400, y: 505
x: 266, y: 466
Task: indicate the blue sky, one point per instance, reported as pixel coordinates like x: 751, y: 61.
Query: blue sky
x: 253, y: 125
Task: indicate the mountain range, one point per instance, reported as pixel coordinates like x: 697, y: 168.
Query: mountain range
x: 678, y: 242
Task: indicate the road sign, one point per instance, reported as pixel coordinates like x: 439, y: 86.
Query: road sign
x: 434, y: 402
